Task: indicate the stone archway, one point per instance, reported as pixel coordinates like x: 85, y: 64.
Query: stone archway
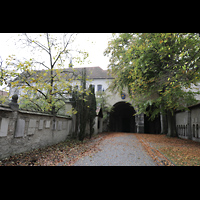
x: 121, y: 118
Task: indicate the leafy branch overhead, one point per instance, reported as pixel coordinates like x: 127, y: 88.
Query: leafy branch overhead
x: 158, y: 69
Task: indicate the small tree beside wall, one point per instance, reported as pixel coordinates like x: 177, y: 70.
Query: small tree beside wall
x: 84, y: 105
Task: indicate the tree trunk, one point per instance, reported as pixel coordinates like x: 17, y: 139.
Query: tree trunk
x: 83, y: 120
x: 164, y: 123
x: 171, y: 124
x: 91, y: 127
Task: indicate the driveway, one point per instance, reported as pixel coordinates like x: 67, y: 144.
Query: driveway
x: 118, y: 149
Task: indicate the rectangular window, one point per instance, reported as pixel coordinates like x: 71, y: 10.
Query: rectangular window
x: 99, y: 87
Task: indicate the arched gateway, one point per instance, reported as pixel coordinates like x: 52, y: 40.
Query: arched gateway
x: 122, y: 117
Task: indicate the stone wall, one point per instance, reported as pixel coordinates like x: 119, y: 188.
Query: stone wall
x: 183, y: 124
x: 22, y: 131
x: 188, y: 123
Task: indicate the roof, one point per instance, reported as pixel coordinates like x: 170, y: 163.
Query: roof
x: 189, y: 107
x: 95, y: 73
x: 91, y: 72
x: 195, y: 105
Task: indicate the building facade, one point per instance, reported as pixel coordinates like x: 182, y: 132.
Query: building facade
x: 121, y: 117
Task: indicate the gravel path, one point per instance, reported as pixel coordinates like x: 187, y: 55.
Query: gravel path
x: 120, y: 149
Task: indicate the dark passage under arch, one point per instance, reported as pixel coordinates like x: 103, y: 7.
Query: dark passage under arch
x: 152, y: 126
x: 121, y: 118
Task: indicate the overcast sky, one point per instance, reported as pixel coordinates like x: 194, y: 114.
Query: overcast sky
x: 93, y: 43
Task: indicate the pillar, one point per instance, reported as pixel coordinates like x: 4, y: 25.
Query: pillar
x: 139, y: 121
x: 163, y: 121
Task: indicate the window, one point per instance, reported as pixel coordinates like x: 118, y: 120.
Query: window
x: 193, y: 130
x: 181, y: 130
x: 186, y: 130
x: 177, y: 129
x: 99, y: 87
x: 197, y: 130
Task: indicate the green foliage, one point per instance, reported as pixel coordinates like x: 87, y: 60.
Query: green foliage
x: 4, y: 99
x: 156, y: 68
x: 102, y: 101
x: 91, y: 106
x: 4, y: 74
x: 83, y: 114
x: 85, y: 105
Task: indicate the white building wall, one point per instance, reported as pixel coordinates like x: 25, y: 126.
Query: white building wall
x: 103, y: 82
x: 96, y: 82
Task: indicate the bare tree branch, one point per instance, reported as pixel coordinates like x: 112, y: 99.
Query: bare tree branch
x: 49, y: 50
x: 41, y: 63
x: 37, y: 43
x: 64, y: 49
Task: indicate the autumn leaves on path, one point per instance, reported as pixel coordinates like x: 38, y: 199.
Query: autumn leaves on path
x: 113, y: 149
x: 179, y: 152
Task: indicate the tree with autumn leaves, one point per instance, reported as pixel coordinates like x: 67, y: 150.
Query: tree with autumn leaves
x: 43, y: 80
x: 159, y: 70
x: 57, y: 83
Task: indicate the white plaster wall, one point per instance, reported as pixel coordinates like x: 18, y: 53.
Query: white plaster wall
x: 104, y: 82
x: 113, y: 98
